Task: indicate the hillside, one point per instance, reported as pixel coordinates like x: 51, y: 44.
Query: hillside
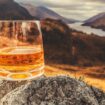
x: 97, y: 21
x: 57, y: 41
x: 67, y: 46
x: 9, y: 9
x: 89, y: 50
x: 42, y: 12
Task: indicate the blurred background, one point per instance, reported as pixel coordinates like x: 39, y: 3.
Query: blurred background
x: 73, y: 34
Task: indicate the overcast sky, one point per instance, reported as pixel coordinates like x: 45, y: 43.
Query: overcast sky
x: 75, y: 9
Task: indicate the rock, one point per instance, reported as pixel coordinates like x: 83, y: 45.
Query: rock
x: 7, y: 86
x: 99, y: 96
x: 59, y: 90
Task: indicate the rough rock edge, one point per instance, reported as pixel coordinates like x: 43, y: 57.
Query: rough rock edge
x: 59, y: 90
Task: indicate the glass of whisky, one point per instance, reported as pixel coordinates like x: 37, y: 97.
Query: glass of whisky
x: 21, y: 50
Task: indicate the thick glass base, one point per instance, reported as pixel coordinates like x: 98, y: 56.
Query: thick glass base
x: 21, y: 76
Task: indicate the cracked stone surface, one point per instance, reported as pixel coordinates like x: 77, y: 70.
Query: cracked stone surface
x: 61, y: 90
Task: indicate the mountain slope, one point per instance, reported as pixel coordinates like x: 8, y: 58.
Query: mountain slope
x: 57, y: 41
x: 89, y: 49
x: 97, y: 21
x: 43, y: 13
x: 9, y: 9
x: 64, y: 45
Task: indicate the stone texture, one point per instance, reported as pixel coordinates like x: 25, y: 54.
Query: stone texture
x: 7, y: 86
x: 59, y: 90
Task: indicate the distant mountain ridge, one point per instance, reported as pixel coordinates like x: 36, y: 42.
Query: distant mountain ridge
x: 5, y: 1
x: 43, y: 13
x: 10, y: 10
x: 97, y: 21
x: 100, y: 15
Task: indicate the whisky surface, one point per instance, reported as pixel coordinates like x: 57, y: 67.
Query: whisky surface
x: 20, y: 61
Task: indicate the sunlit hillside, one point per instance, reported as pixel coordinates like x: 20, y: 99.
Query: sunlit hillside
x: 90, y: 75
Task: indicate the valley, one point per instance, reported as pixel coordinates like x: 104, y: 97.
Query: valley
x: 87, y: 29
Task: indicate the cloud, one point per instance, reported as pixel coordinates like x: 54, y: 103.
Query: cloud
x: 97, y: 1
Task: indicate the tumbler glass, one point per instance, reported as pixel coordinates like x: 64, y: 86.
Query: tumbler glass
x: 21, y: 50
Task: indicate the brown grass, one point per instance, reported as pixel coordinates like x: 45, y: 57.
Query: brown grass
x: 87, y: 73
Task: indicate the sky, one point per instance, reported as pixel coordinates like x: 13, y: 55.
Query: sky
x: 75, y: 9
